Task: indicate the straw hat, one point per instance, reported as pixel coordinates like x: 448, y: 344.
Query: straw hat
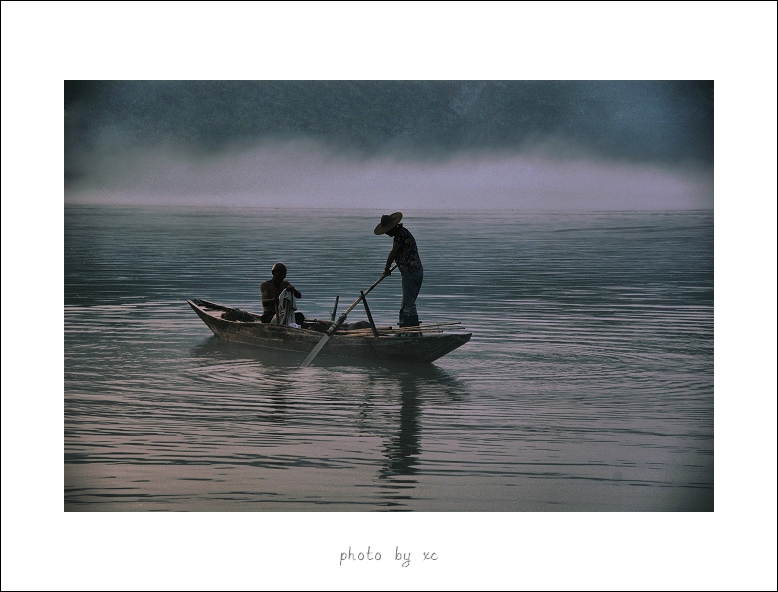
x: 388, y: 222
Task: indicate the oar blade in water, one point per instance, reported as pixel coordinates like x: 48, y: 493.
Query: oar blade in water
x: 315, y: 351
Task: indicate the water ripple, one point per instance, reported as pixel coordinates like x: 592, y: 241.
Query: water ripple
x: 587, y: 384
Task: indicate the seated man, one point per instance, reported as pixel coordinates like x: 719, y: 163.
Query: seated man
x: 271, y: 290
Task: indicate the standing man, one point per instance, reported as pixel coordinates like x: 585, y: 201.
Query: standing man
x: 405, y: 253
x: 271, y: 290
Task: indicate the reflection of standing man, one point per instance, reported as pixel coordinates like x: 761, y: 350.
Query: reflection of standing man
x: 406, y: 254
x: 403, y: 449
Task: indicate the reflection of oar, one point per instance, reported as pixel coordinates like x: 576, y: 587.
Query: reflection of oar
x: 315, y: 351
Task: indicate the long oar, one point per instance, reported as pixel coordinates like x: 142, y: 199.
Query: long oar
x: 334, y: 327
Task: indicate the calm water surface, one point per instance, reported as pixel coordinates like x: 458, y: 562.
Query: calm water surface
x: 587, y: 385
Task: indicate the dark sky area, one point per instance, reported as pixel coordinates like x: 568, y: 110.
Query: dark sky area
x: 666, y: 122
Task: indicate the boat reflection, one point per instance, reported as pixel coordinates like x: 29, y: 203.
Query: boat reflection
x: 366, y: 397
x: 214, y: 348
x: 266, y: 377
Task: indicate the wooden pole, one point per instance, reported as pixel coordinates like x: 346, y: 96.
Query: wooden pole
x: 369, y: 316
x: 335, y: 309
x: 315, y: 351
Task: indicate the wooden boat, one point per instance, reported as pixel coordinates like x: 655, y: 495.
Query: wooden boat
x: 423, y: 344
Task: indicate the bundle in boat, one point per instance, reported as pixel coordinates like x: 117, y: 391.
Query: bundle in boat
x: 426, y: 328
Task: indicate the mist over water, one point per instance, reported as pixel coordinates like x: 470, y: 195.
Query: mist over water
x: 307, y: 174
x: 587, y: 384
